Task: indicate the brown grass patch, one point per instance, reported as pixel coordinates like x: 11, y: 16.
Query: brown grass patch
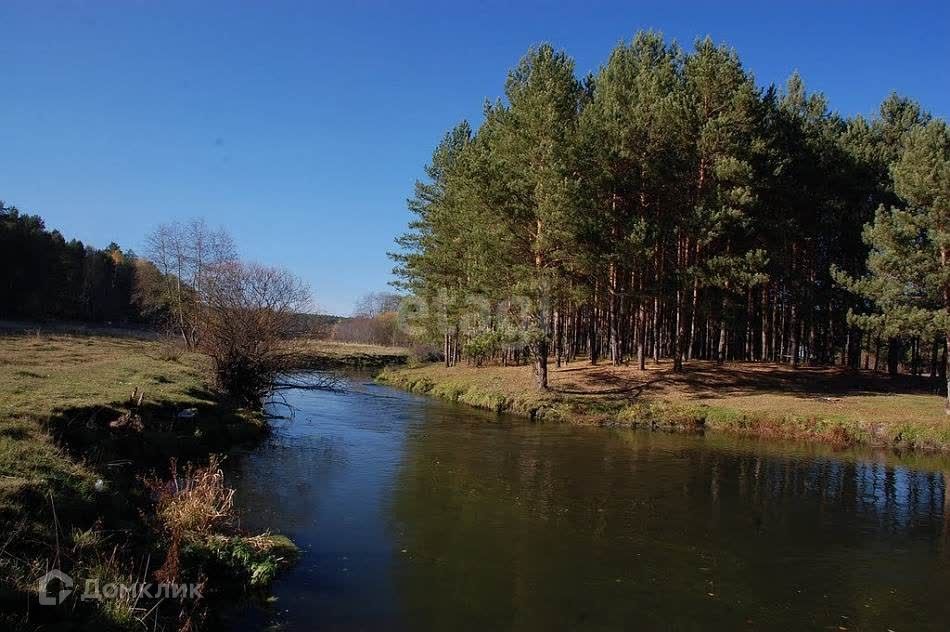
x: 842, y: 406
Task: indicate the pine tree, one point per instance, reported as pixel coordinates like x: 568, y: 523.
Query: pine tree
x: 634, y: 153
x: 532, y: 152
x: 666, y: 206
x: 713, y: 241
x: 909, y: 262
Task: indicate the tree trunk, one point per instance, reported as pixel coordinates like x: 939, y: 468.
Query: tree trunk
x: 641, y: 338
x: 877, y: 352
x: 914, y: 346
x: 541, y: 363
x: 749, y: 331
x: 675, y: 351
x: 867, y: 354
x: 894, y: 352
x: 656, y: 330
x: 933, y: 358
x: 721, y: 351
x: 592, y: 334
x: 946, y: 354
x: 693, y: 312
x: 793, y: 333
x: 613, y: 319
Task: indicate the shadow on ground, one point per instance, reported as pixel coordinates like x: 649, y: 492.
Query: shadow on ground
x: 709, y: 380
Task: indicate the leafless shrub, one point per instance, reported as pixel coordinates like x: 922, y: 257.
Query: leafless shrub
x: 382, y: 329
x: 244, y: 316
x: 249, y: 324
x: 363, y: 330
x: 195, y: 502
x: 424, y: 352
x: 374, y: 321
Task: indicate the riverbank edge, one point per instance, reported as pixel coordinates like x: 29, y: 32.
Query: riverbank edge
x: 330, y: 356
x: 666, y: 415
x: 82, y: 488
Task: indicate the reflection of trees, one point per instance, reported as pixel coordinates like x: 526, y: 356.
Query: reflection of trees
x: 543, y: 527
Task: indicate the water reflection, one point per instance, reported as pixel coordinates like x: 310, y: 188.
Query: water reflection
x: 416, y: 514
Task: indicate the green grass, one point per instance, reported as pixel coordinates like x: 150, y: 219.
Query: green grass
x: 40, y: 375
x: 248, y: 561
x: 820, y: 404
x: 74, y: 386
x: 59, y: 395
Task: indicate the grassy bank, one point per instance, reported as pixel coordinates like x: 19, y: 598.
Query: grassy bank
x: 327, y: 354
x: 824, y: 404
x: 82, y: 419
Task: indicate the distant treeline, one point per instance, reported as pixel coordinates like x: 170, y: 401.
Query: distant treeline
x: 375, y: 320
x: 43, y: 276
x: 666, y: 206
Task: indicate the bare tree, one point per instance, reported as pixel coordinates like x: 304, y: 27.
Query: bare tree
x: 187, y: 257
x: 250, y: 318
x: 374, y: 321
x: 244, y: 316
x: 376, y: 303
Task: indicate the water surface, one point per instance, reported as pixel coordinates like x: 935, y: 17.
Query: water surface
x: 417, y: 514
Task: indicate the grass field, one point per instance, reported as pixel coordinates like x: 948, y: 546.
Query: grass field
x: 334, y: 348
x: 824, y: 403
x: 329, y: 354
x: 52, y: 383
x: 51, y: 379
x: 73, y: 445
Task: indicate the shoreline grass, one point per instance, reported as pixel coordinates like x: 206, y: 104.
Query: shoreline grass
x: 83, y: 417
x: 824, y: 404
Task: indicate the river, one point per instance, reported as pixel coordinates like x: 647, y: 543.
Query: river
x: 417, y: 514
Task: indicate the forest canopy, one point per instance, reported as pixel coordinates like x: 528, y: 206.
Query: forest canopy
x: 44, y: 276
x: 668, y: 206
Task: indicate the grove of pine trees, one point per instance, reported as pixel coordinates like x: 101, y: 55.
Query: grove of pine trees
x: 669, y: 207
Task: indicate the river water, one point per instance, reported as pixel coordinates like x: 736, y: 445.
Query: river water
x: 416, y: 514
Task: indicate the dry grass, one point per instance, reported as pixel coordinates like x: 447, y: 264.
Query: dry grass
x: 826, y: 403
x: 196, y: 501
x: 749, y: 387
x: 71, y: 386
x: 332, y: 348
x: 194, y: 512
x: 327, y: 354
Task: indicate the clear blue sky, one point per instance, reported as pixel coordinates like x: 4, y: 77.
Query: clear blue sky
x: 301, y: 127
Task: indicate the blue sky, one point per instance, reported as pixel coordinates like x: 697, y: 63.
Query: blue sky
x: 301, y: 126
